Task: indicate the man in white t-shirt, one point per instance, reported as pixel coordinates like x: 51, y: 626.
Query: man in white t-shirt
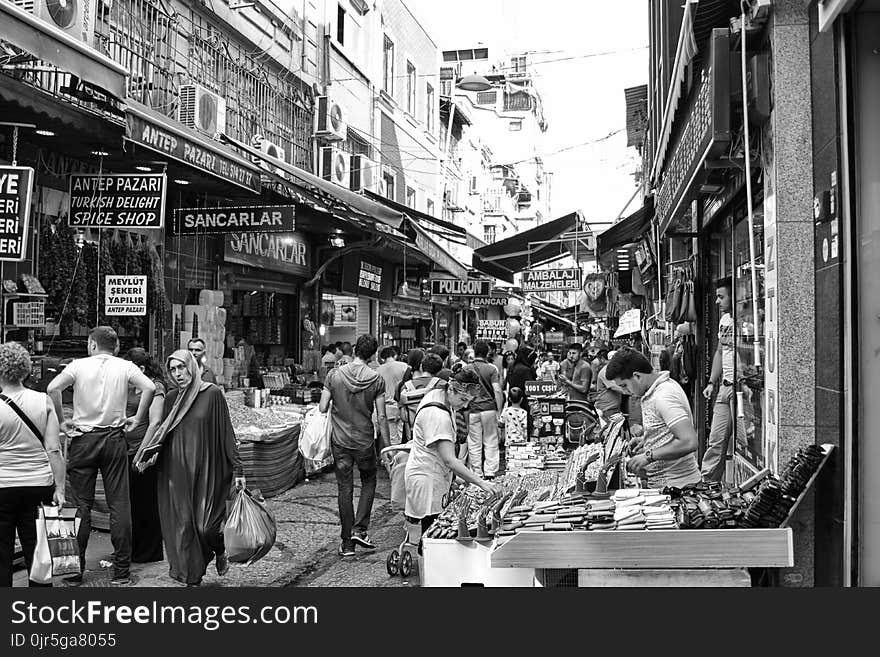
x: 721, y: 381
x: 665, y: 453
x: 100, y: 395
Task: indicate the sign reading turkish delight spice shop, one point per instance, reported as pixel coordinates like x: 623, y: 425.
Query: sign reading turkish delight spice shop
x: 551, y: 280
x: 15, y: 210
x: 286, y: 252
x: 127, y: 200
x: 264, y: 219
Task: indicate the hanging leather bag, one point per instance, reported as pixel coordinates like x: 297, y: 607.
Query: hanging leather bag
x: 673, y: 297
x: 681, y: 314
x: 691, y: 315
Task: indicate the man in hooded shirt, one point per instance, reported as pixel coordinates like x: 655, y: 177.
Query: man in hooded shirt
x: 356, y: 390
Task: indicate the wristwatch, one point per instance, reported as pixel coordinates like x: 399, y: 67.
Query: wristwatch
x: 649, y: 454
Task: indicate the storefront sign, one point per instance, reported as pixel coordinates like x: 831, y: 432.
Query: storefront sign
x: 286, y: 252
x: 16, y: 185
x: 458, y: 288
x: 551, y: 280
x: 488, y: 302
x: 541, y: 388
x: 705, y: 134
x: 494, y: 330
x: 126, y: 200
x: 630, y: 322
x: 438, y: 254
x: 125, y: 295
x: 366, y: 276
x: 189, y: 152
x: 554, y: 337
x: 263, y: 219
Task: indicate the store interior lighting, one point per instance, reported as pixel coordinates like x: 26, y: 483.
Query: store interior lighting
x: 338, y: 242
x: 143, y: 168
x: 180, y: 181
x: 100, y: 153
x: 45, y: 133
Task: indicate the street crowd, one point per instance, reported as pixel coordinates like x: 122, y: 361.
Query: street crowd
x: 163, y: 441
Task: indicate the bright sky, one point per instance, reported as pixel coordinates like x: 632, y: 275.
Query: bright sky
x: 583, y: 98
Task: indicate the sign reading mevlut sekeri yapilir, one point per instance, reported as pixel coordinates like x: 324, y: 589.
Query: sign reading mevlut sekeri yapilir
x: 125, y: 295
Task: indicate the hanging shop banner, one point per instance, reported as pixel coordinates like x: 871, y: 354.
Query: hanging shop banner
x: 454, y: 287
x: 630, y: 322
x: 366, y: 276
x: 246, y: 219
x: 541, y: 388
x: 554, y: 337
x: 188, y: 151
x: 285, y: 252
x: 437, y: 253
x: 16, y: 185
x: 492, y: 330
x: 489, y: 302
x: 551, y: 280
x: 125, y: 200
x: 705, y: 134
x: 125, y: 295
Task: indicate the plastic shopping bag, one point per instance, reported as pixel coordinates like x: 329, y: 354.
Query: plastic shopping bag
x: 314, y: 441
x: 250, y: 530
x: 57, y: 551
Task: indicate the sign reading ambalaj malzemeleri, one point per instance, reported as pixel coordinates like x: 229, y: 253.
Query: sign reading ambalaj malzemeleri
x: 15, y: 209
x: 551, y: 280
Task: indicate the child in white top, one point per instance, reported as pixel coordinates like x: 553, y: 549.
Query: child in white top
x: 515, y: 418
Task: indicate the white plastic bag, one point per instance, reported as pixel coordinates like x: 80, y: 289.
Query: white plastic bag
x: 314, y: 439
x: 57, y: 551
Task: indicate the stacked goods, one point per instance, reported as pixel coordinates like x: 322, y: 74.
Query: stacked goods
x: 207, y: 321
x: 524, y: 456
x: 555, y: 459
x: 642, y: 509
x: 710, y: 505
x: 273, y: 464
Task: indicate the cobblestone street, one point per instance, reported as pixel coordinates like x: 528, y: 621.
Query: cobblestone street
x: 304, y: 553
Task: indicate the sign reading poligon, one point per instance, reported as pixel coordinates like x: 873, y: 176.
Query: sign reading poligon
x: 455, y: 287
x: 263, y: 219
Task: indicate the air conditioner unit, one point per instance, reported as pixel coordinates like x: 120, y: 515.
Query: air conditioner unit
x: 365, y: 174
x: 331, y: 120
x: 335, y: 165
x: 74, y: 17
x: 202, y: 109
x: 268, y: 148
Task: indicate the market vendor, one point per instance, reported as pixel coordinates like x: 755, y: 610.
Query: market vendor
x: 665, y: 453
x: 197, y: 348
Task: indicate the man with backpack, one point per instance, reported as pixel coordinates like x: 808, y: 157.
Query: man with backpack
x: 483, y: 414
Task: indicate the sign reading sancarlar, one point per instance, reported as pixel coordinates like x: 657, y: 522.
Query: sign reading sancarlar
x: 551, y: 280
x: 260, y: 219
x: 125, y: 295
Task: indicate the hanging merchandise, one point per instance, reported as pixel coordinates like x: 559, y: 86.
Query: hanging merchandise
x: 594, y: 287
x: 638, y: 287
x: 673, y: 296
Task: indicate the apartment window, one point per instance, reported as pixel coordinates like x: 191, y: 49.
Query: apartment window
x: 429, y: 107
x: 445, y: 87
x: 340, y: 25
x: 388, y: 66
x: 518, y: 101
x: 429, y: 206
x: 411, y: 198
x: 410, y: 88
x: 487, y: 97
x: 473, y: 186
x: 388, y: 185
x: 518, y: 65
x: 489, y: 234
x: 515, y: 126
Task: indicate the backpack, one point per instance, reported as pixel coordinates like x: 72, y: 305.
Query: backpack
x: 411, y: 396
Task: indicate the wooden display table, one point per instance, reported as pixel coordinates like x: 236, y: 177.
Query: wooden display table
x: 709, y: 557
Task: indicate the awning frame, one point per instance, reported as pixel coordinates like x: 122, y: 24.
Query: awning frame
x: 24, y: 30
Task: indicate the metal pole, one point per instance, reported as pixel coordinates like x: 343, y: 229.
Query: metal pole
x: 748, y: 156
x: 448, y: 147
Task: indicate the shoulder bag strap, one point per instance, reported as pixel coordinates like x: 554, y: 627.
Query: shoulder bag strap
x: 24, y: 418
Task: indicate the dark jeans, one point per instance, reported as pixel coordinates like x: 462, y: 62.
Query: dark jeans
x: 104, y: 450
x: 18, y: 511
x: 366, y: 462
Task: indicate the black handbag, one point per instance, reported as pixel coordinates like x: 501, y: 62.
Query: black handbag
x: 673, y: 297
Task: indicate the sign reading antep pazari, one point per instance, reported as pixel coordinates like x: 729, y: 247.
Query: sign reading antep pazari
x: 125, y: 200
x: 125, y: 295
x: 263, y: 219
x: 15, y: 211
x: 551, y: 280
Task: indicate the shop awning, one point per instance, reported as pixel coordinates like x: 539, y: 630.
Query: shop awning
x: 636, y: 114
x: 50, y: 44
x: 626, y: 231
x: 362, y: 204
x: 551, y: 311
x: 528, y: 249
x: 437, y: 254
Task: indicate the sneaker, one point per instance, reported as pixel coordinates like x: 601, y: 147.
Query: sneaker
x: 73, y: 580
x: 222, y: 564
x: 121, y: 581
x: 346, y: 550
x: 489, y: 478
x: 364, y: 541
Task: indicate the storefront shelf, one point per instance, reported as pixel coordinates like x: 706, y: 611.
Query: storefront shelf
x: 709, y: 548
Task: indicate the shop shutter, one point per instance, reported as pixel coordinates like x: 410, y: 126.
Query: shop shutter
x: 363, y: 319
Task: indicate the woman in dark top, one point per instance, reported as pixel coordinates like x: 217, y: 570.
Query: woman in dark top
x: 197, y: 458
x: 522, y: 370
x: 146, y: 531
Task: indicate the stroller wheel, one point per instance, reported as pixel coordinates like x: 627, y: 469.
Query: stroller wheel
x: 406, y: 564
x: 392, y: 564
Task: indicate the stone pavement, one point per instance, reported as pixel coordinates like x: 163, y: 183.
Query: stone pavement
x: 305, y: 549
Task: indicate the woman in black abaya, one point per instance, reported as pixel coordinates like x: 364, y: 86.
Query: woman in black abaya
x: 197, y: 460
